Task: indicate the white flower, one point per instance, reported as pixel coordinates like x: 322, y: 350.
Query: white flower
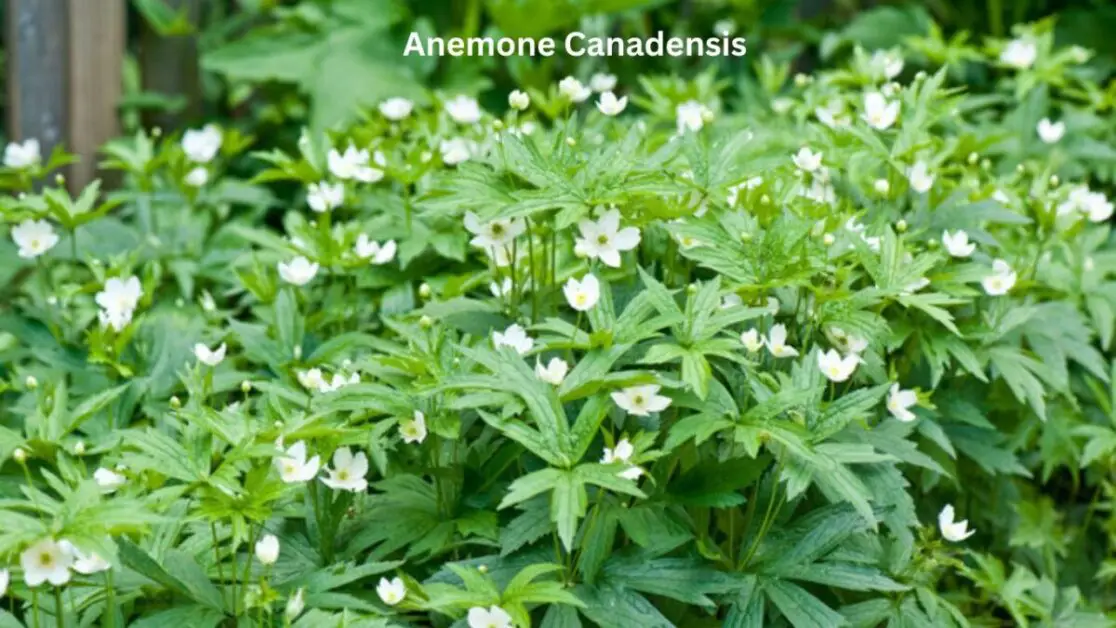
x: 782, y: 105
x: 348, y: 471
x: 515, y: 337
x: 34, y: 237
x: 836, y: 368
x: 463, y: 109
x: 83, y: 563
x: 605, y: 239
x: 23, y: 155
x: 322, y: 197
x: 311, y: 379
x: 1019, y: 54
x: 777, y: 342
x: 299, y: 271
x: 832, y: 114
x: 367, y: 248
x: 456, y: 150
x: 1050, y: 132
x: 898, y: 402
x: 572, y: 89
x: 293, y: 465
x: 338, y: 382
x: 610, y: 105
x: 108, y: 479
x: 1001, y: 280
x: 807, y: 160
x: 554, y: 372
x: 118, y: 300
x: 87, y: 564
x: 295, y: 604
x: 519, y: 100
x: 853, y: 225
x: 953, y: 530
x: 850, y: 343
x: 414, y: 429
x: 916, y: 285
x: 493, y: 234
x: 622, y: 453
x: 602, y: 82
x: 879, y: 113
x: 205, y: 355
x: 690, y: 116
x: 752, y: 340
x: 493, y: 617
x: 201, y: 146
x: 396, y: 108
x: 197, y: 177
x: 582, y: 295
x: 957, y: 244
x: 731, y: 300
x: 641, y: 400
x: 920, y: 177
x: 353, y: 164
x: 46, y: 561
x: 5, y: 578
x: 267, y: 549
x: 1094, y: 204
x: 392, y: 591
x: 886, y: 65
x: 502, y: 289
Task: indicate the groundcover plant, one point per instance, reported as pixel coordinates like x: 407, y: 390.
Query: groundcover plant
x: 615, y: 355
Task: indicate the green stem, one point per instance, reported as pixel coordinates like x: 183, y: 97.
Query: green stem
x: 217, y: 556
x: 59, y: 613
x: 110, y: 601
x: 35, y: 606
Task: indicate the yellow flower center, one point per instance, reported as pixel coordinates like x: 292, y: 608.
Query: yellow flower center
x: 343, y: 475
x: 602, y: 239
x: 638, y: 400
x: 46, y: 559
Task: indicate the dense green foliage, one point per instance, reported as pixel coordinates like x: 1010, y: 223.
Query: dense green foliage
x: 742, y: 352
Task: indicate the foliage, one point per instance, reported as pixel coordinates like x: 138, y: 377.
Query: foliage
x: 723, y: 359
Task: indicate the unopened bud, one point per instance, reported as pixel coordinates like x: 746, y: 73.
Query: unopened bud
x: 19, y: 455
x: 175, y: 403
x: 901, y: 226
x: 31, y: 382
x: 828, y: 239
x: 79, y: 448
x: 571, y: 141
x: 246, y: 387
x: 425, y: 291
x: 426, y: 322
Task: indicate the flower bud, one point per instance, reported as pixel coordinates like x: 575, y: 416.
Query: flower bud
x: 267, y: 549
x: 295, y: 605
x: 426, y: 322
x: 571, y: 142
x: 1054, y: 180
x: 519, y: 100
x: 19, y: 455
x: 828, y: 239
x: 298, y: 352
x: 174, y: 402
x: 31, y: 382
x: 882, y: 186
x: 482, y: 568
x: 901, y: 226
x: 425, y: 291
x: 79, y: 448
x: 246, y: 387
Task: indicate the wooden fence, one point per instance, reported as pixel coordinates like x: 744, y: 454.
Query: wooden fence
x: 65, y: 61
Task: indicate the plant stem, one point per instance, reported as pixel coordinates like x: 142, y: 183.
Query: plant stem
x: 59, y: 617
x: 217, y: 556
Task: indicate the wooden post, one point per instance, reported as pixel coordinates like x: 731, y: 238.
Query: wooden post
x: 96, y: 76
x: 36, y: 43
x: 169, y: 65
x: 65, y: 76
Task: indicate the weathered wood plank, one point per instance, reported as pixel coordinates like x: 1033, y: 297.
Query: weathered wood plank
x: 97, y: 39
x: 169, y: 65
x: 36, y: 44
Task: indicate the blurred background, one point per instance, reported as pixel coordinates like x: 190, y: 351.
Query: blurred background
x: 80, y: 71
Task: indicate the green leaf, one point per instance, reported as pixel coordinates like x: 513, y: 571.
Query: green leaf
x: 800, y: 608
